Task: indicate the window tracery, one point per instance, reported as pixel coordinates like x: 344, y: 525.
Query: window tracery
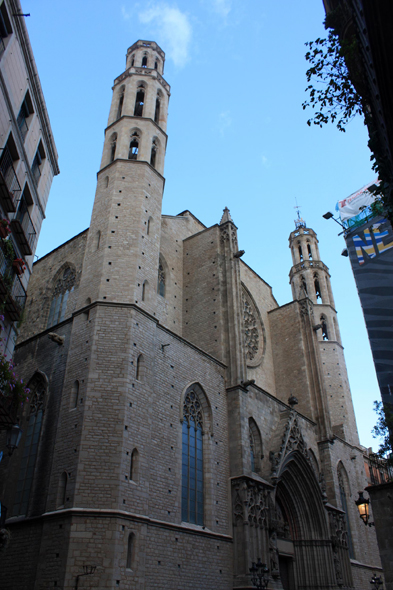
x: 192, y: 459
x: 63, y: 287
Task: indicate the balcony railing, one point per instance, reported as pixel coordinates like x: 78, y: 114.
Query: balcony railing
x: 380, y: 471
x: 23, y: 229
x: 12, y: 292
x: 9, y: 184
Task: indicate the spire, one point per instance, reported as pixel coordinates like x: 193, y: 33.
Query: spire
x: 299, y: 222
x: 226, y: 216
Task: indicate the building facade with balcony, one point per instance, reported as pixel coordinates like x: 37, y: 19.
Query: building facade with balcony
x: 28, y: 163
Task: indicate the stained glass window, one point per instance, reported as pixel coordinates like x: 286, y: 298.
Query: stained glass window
x: 192, y: 459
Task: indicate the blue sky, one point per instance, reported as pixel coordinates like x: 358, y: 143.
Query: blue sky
x: 237, y: 133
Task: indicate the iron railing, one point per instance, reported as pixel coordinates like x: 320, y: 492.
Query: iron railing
x: 9, y: 184
x: 18, y: 294
x: 379, y: 469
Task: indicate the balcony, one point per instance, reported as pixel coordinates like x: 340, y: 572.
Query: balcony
x: 12, y: 292
x: 23, y: 228
x: 9, y: 184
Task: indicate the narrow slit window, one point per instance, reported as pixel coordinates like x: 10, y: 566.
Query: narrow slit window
x: 325, y: 334
x: 309, y: 251
x: 317, y: 287
x: 120, y: 105
x: 153, y: 156
x: 157, y: 111
x: 300, y: 254
x: 113, y: 148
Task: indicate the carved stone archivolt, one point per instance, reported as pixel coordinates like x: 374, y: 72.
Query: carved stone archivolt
x: 250, y: 503
x: 292, y: 441
x: 254, y: 331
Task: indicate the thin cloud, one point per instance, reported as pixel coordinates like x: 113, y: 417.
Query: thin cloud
x: 173, y: 28
x: 222, y: 7
x: 224, y: 121
x: 265, y: 161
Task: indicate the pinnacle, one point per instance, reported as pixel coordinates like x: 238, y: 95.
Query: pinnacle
x: 226, y: 216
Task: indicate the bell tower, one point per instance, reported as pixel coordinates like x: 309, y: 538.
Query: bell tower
x: 309, y: 278
x: 122, y: 254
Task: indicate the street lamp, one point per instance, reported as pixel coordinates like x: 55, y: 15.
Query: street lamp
x: 363, y: 506
x: 14, y: 434
x: 377, y: 582
x: 259, y: 574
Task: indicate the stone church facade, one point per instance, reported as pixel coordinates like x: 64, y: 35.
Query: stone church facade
x: 180, y: 424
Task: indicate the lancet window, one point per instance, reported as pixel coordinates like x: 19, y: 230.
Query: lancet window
x: 192, y: 459
x: 161, y: 279
x: 139, y: 102
x: 317, y: 287
x: 300, y: 254
x: 121, y: 101
x: 113, y: 147
x: 153, y: 156
x: 323, y: 322
x: 304, y: 285
x: 63, y: 287
x: 344, y: 490
x: 157, y: 111
x: 38, y: 389
x: 309, y: 251
x: 144, y: 61
x: 134, y: 146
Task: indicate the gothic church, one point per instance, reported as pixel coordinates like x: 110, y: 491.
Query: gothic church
x: 181, y: 424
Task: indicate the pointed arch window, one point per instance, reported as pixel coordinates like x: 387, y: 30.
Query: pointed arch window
x: 113, y: 147
x: 130, y: 551
x: 121, y: 101
x: 161, y: 279
x: 132, y: 60
x: 252, y: 449
x: 139, y: 102
x: 255, y: 445
x: 63, y: 287
x: 192, y: 459
x: 304, y: 285
x: 140, y: 368
x: 144, y: 61
x: 134, y: 146
x: 153, y: 155
x: 134, y: 465
x: 144, y: 290
x: 344, y: 490
x: 300, y: 254
x: 156, y: 64
x: 309, y: 251
x: 157, y: 111
x: 323, y: 322
x: 38, y: 389
x: 317, y: 287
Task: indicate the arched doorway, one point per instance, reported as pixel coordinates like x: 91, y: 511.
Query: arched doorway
x: 304, y: 546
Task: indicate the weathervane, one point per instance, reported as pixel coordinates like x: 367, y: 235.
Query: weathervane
x: 299, y: 222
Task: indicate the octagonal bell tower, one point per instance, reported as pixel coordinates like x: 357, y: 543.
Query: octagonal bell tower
x: 122, y: 254
x: 309, y: 278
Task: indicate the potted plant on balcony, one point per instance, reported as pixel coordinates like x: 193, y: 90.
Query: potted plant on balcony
x: 5, y: 228
x: 19, y: 266
x: 13, y: 393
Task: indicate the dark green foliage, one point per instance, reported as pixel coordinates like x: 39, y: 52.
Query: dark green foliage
x: 384, y: 430
x: 332, y: 94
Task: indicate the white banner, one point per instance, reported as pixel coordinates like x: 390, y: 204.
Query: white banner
x: 353, y: 205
